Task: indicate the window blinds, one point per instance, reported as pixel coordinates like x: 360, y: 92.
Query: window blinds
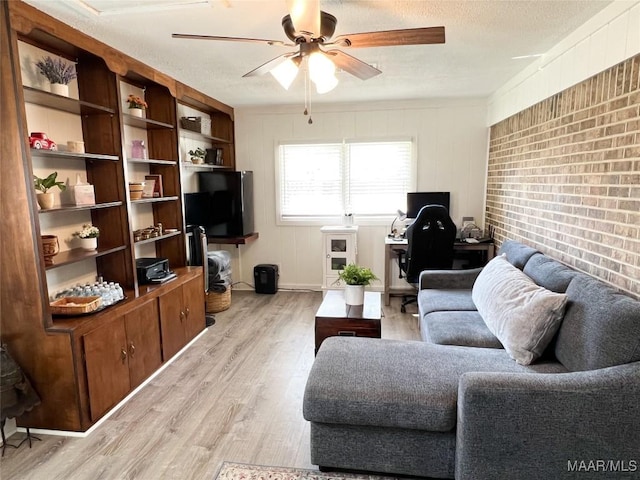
x: 331, y: 179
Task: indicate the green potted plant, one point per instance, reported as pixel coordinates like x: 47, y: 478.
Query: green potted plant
x: 58, y: 72
x: 197, y: 156
x: 355, y: 278
x: 43, y: 185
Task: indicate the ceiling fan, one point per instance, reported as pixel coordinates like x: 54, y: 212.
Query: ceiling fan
x: 311, y: 29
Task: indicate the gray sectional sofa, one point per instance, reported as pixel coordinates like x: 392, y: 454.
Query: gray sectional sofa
x: 459, y: 405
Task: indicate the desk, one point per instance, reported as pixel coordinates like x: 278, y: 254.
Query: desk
x: 391, y: 246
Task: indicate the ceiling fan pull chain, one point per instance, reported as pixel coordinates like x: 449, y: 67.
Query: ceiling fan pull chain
x: 307, y: 95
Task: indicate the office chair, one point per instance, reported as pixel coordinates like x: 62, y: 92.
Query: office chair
x: 430, y: 240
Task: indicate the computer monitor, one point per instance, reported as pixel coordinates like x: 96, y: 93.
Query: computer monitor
x: 417, y: 200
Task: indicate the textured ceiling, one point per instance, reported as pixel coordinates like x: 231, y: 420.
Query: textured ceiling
x: 482, y: 37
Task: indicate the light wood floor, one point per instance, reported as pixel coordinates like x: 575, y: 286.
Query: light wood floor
x: 235, y: 395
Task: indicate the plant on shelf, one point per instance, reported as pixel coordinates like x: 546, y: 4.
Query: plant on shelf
x: 43, y: 185
x: 197, y: 155
x: 56, y: 70
x: 136, y: 102
x: 88, y: 236
x: 88, y: 231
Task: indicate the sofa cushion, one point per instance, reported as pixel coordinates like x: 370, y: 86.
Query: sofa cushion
x: 466, y: 329
x: 517, y: 253
x: 601, y: 327
x: 436, y: 300
x: 397, y: 383
x: 523, y: 315
x: 549, y: 273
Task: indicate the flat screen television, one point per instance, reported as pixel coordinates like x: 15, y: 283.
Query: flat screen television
x: 223, y: 206
x: 417, y: 200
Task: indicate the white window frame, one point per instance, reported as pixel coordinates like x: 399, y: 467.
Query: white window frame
x: 338, y: 219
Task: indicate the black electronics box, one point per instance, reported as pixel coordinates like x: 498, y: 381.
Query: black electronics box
x: 265, y: 278
x: 153, y: 270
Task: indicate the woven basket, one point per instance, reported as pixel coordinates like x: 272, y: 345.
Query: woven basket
x: 191, y: 123
x: 75, y: 305
x: 218, y: 302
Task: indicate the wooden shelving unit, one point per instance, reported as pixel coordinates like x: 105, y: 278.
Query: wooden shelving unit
x: 80, y: 371
x: 242, y: 240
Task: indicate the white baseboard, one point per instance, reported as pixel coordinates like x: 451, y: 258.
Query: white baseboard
x: 65, y: 433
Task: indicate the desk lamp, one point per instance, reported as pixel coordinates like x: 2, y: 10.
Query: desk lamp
x: 400, y: 216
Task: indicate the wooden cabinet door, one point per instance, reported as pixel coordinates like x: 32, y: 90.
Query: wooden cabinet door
x: 193, y: 298
x: 105, y: 351
x: 143, y: 342
x: 172, y: 317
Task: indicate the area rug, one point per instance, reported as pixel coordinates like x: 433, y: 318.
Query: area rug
x: 241, y: 471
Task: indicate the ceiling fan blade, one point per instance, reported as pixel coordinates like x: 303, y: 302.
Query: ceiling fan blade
x: 352, y: 65
x: 231, y: 39
x: 270, y: 65
x: 305, y: 16
x: 389, y: 38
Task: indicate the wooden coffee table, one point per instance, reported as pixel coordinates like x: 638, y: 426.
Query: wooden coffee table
x: 336, y: 318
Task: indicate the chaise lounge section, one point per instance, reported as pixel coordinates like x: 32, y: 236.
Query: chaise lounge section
x: 460, y: 405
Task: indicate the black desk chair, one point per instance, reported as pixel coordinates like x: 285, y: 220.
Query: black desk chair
x: 430, y: 241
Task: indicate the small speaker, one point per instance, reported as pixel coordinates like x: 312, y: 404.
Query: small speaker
x: 265, y: 278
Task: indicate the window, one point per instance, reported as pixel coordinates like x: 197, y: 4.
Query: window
x: 323, y: 181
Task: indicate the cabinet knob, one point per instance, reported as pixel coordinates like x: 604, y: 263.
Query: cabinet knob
x: 188, y: 311
x: 123, y: 355
x: 181, y: 316
x: 132, y: 348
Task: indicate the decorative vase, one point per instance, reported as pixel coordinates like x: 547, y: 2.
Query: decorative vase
x: 50, y: 248
x: 88, y: 243
x: 354, y: 294
x: 138, y: 149
x: 60, y: 89
x: 45, y: 200
x: 136, y: 112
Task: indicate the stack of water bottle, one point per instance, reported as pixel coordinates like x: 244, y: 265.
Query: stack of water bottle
x: 109, y: 292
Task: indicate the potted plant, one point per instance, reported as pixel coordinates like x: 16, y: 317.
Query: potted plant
x: 58, y: 72
x: 88, y: 236
x: 136, y: 105
x: 356, y: 278
x: 45, y: 197
x: 197, y: 156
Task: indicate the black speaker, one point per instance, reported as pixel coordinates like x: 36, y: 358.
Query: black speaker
x: 265, y: 278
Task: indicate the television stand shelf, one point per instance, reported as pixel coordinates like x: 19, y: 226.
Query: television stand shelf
x: 241, y: 240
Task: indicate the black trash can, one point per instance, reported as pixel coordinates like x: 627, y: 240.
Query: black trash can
x: 265, y: 278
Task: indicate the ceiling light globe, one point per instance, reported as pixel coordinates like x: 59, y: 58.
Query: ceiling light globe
x: 320, y: 66
x: 285, y: 73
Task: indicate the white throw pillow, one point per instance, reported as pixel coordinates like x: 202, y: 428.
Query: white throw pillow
x: 522, y: 315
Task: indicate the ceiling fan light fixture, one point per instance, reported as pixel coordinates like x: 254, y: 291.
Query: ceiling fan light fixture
x: 285, y: 73
x: 322, y: 72
x: 326, y: 84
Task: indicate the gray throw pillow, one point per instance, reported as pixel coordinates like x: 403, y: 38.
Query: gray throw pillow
x: 522, y: 315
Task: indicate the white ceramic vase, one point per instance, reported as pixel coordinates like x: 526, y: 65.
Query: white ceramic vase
x: 354, y: 294
x: 136, y: 112
x: 88, y: 243
x: 60, y: 89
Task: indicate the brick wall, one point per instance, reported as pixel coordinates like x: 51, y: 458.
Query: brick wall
x: 564, y: 176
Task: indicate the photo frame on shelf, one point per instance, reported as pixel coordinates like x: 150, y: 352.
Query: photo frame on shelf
x: 157, y: 191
